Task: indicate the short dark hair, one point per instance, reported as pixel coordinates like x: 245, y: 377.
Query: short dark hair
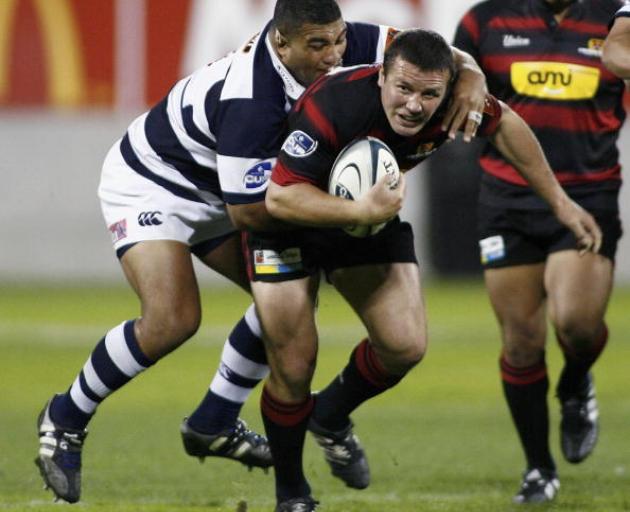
x: 423, y: 48
x: 290, y: 16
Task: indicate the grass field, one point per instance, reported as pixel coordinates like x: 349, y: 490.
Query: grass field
x: 441, y: 441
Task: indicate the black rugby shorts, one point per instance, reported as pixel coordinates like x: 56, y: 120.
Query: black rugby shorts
x: 284, y: 256
x: 519, y: 237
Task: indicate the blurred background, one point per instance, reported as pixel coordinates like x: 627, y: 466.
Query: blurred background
x: 74, y: 73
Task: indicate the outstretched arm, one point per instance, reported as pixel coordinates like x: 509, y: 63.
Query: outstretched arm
x: 469, y: 94
x: 517, y: 143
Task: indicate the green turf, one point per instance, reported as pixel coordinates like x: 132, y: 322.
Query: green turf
x: 441, y: 441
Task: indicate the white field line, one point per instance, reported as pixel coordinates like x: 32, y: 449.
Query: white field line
x: 81, y: 335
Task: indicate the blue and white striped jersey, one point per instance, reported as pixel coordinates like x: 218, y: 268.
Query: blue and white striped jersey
x: 216, y: 135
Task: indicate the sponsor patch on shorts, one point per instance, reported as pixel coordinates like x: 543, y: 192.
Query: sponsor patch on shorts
x: 492, y: 249
x: 118, y: 230
x: 272, y: 262
x: 299, y: 144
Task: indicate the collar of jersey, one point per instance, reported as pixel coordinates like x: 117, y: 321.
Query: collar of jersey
x: 291, y: 86
x: 544, y: 9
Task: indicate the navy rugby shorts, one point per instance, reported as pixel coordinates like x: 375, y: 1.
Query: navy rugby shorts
x: 520, y: 237
x: 288, y: 255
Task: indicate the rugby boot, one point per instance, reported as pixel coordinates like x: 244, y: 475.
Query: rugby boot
x: 538, y: 486
x: 579, y: 426
x: 303, y: 504
x: 59, y: 458
x: 238, y: 443
x: 344, y: 454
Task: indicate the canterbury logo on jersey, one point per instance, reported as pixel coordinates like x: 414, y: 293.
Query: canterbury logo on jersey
x: 555, y: 80
x: 150, y: 218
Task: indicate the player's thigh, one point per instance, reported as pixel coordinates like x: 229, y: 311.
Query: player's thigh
x: 388, y: 299
x: 517, y: 296
x: 286, y: 310
x: 513, y: 251
x: 161, y: 273
x: 578, y: 288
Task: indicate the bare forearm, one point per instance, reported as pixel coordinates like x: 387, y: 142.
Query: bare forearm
x: 465, y: 61
x: 307, y: 205
x: 518, y: 144
x: 253, y: 217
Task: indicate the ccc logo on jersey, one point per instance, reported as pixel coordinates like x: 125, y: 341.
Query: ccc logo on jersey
x: 150, y: 218
x: 554, y: 80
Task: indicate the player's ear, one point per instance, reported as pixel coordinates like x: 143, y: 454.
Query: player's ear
x: 381, y: 76
x: 281, y: 41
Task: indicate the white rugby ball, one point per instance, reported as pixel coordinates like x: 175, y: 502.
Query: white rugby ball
x: 355, y: 171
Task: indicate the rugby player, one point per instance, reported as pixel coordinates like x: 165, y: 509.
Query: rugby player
x: 401, y: 103
x: 543, y: 58
x: 166, y: 190
x: 616, y: 51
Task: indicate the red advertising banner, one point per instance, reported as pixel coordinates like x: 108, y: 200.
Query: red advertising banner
x: 61, y: 53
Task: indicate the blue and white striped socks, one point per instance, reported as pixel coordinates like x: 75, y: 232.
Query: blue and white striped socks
x: 116, y: 360
x: 243, y: 365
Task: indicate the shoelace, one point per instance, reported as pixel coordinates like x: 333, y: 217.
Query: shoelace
x: 243, y: 434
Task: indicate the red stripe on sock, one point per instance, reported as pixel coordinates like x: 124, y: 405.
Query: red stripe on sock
x: 370, y: 367
x: 283, y: 413
x: 522, y: 376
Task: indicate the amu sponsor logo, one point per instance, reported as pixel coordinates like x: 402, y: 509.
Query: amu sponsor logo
x: 150, y: 218
x: 553, y: 78
x: 258, y: 175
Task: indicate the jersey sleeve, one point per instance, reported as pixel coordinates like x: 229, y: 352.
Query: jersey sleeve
x: 250, y: 138
x: 366, y: 43
x: 624, y: 12
x: 309, y: 151
x: 491, y: 116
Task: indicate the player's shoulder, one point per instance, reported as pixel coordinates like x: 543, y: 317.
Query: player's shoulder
x: 252, y: 74
x: 366, y: 42
x: 347, y: 82
x: 601, y: 11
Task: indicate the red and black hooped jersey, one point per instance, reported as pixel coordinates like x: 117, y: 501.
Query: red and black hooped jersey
x: 346, y: 105
x: 552, y: 75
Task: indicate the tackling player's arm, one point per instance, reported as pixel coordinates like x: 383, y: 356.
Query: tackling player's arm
x: 517, y: 143
x: 307, y: 205
x: 468, y: 95
x: 252, y: 216
x: 616, y: 50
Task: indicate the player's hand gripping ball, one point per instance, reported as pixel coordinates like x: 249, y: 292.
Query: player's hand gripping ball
x: 357, y: 168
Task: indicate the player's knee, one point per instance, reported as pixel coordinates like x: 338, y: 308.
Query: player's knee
x: 170, y: 328
x: 524, y: 355
x: 523, y: 335
x: 579, y: 334
x: 402, y: 356
x: 296, y: 372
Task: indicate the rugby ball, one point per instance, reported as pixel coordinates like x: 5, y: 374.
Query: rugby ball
x: 357, y: 168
